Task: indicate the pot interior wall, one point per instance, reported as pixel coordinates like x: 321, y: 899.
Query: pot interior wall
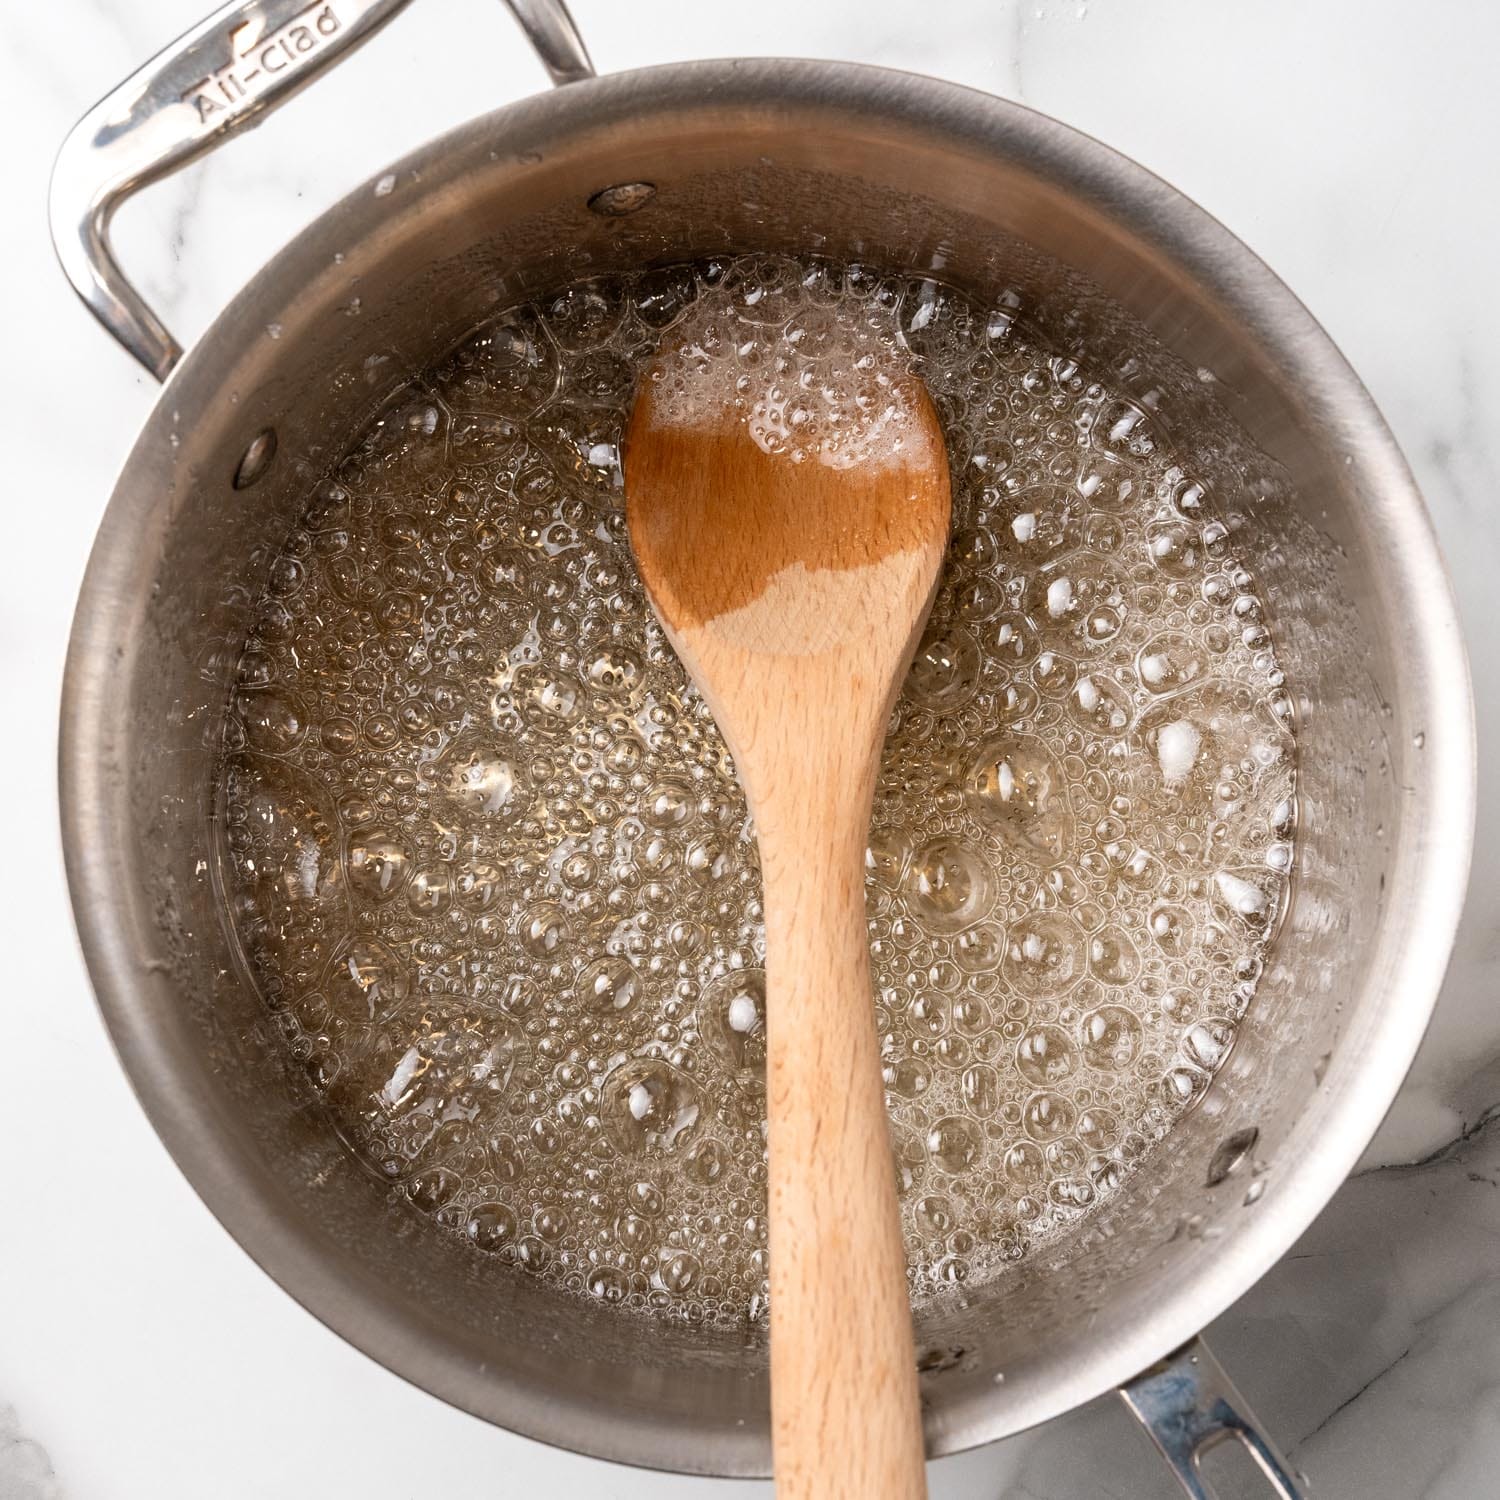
x: 501, y: 211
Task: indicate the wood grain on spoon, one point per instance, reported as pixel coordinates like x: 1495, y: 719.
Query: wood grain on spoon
x: 794, y: 593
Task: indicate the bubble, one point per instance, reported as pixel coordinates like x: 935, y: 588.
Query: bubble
x: 550, y: 1223
x: 615, y: 670
x: 1045, y: 1055
x: 1098, y: 1129
x: 685, y: 938
x: 446, y: 1058
x: 606, y: 1284
x: 1013, y: 640
x: 667, y: 804
x: 1136, y: 871
x: 1174, y: 548
x: 1247, y: 897
x: 708, y: 862
x: 649, y: 1107
x: 980, y: 1087
x: 910, y: 1077
x: 1178, y: 1005
x: 544, y: 929
x: 968, y: 1014
x: 1106, y: 483
x: 505, y: 1159
x: 706, y: 1163
x: 977, y: 599
x: 953, y: 1144
x: 556, y: 698
x: 1168, y: 662
x: 732, y: 1018
x: 1113, y: 958
x: 478, y: 886
x: 378, y: 865
x: 533, y: 1254
x: 491, y: 1227
x: 609, y: 985
x: 1052, y: 675
x: 430, y: 1190
x: 1171, y: 929
x: 1065, y: 1157
x: 1183, y: 1087
x: 381, y: 731
x: 979, y: 949
x: 1039, y: 526
x: 1208, y: 1043
x: 1227, y: 729
x: 355, y: 810
x: 679, y: 1270
x: 472, y: 781
x: 340, y: 736
x: 1024, y: 1164
x: 1102, y: 623
x: 1046, y: 1117
x: 934, y: 1215
x: 944, y: 671
x: 662, y: 297
x: 948, y: 884
x: 646, y: 1199
x: 633, y: 1232
x: 292, y: 812
x: 1070, y: 1193
x: 887, y: 855
x: 512, y: 363
x: 365, y: 981
x: 1044, y: 954
x: 1111, y: 1037
x: 274, y: 722
x: 1099, y: 704
x: 430, y: 891
x: 1015, y: 786
x: 581, y: 317
x: 764, y: 288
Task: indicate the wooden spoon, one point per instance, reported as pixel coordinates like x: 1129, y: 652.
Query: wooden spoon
x: 794, y: 594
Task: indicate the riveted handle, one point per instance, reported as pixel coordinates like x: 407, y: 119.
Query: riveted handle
x: 222, y: 77
x: 1188, y: 1405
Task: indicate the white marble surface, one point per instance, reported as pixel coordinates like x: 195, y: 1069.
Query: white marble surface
x: 1351, y: 142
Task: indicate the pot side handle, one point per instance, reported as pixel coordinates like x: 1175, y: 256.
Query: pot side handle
x: 1188, y: 1405
x: 222, y: 77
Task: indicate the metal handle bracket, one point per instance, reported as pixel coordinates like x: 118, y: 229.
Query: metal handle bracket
x: 1188, y: 1405
x: 222, y: 77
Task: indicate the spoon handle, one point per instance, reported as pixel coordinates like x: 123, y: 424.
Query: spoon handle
x: 845, y: 1415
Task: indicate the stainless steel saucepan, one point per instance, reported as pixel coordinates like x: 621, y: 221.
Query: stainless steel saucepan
x: 661, y: 165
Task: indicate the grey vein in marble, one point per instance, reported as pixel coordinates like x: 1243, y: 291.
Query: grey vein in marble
x: 26, y: 1472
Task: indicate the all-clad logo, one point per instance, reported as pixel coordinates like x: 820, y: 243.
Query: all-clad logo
x: 258, y: 59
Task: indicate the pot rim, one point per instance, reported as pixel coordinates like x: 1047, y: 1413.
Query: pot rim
x: 1183, y: 234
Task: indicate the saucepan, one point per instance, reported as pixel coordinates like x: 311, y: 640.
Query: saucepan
x: 667, y: 164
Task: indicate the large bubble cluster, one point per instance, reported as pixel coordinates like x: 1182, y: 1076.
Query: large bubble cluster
x: 488, y: 860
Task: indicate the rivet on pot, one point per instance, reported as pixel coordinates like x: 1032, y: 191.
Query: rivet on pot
x: 257, y: 458
x: 1231, y: 1153
x: 624, y: 198
x: 938, y: 1358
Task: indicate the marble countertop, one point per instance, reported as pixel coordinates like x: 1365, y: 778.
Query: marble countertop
x: 142, y: 1355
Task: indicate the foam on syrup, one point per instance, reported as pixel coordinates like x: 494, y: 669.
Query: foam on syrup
x: 493, y: 873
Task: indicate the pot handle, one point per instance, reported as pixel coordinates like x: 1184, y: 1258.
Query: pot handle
x: 1188, y: 1405
x: 222, y: 77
